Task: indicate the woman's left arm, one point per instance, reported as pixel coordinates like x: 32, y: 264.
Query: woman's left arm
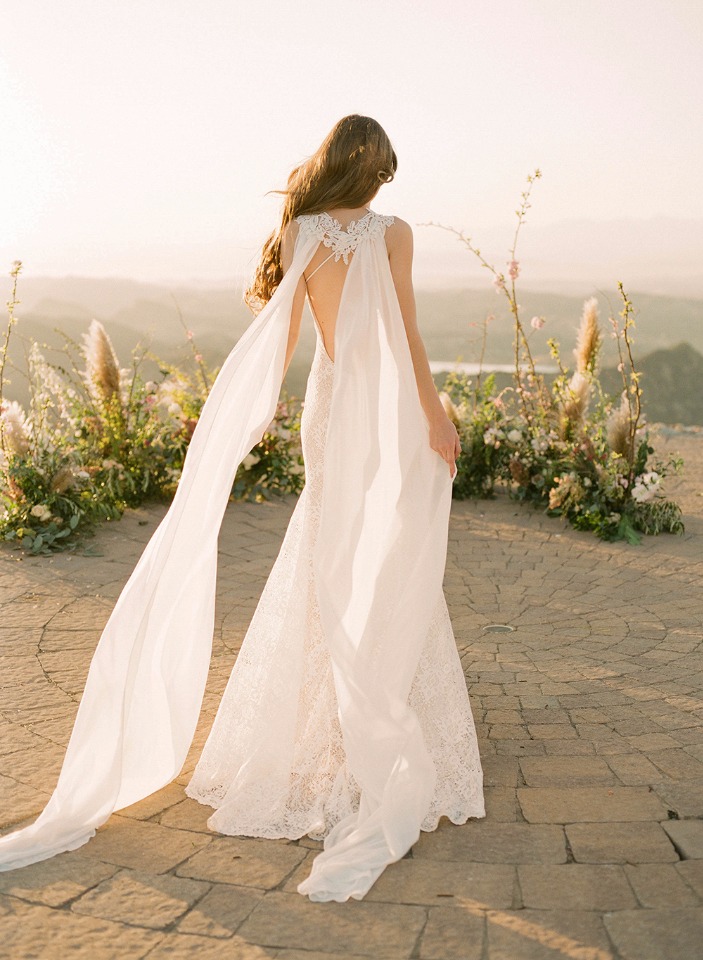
x: 443, y: 434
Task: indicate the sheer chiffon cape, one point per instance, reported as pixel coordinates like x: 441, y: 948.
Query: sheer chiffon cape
x: 379, y: 563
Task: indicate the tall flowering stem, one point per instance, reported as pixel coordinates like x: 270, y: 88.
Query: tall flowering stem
x: 522, y: 352
x: 623, y: 326
x: 11, y: 321
x: 197, y: 356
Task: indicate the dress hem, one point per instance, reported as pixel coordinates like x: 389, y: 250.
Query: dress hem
x: 426, y: 827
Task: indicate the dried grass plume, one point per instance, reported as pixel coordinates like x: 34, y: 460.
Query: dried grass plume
x: 618, y: 429
x: 575, y: 404
x: 102, y: 371
x: 13, y: 425
x: 450, y: 408
x: 589, y: 339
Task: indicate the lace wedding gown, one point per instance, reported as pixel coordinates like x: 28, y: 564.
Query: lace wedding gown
x: 346, y: 716
x: 284, y: 773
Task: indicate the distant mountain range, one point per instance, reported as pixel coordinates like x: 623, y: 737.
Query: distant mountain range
x: 671, y: 385
x: 668, y: 336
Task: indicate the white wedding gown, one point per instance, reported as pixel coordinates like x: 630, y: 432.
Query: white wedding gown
x: 346, y: 715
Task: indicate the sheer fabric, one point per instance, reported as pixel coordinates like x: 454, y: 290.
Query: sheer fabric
x: 377, y: 561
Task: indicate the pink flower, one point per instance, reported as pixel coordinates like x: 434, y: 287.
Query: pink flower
x: 620, y: 368
x: 189, y: 334
x: 499, y: 283
x: 513, y: 269
x: 198, y: 358
x: 537, y: 323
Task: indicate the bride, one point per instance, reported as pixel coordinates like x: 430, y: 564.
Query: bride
x: 346, y: 716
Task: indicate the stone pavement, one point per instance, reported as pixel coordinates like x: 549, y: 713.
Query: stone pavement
x: 590, y: 717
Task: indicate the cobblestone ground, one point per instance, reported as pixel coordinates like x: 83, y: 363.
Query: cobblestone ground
x: 590, y: 718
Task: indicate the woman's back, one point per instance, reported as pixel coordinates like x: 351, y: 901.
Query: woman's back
x: 325, y: 275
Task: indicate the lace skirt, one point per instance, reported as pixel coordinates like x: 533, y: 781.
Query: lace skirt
x: 274, y: 763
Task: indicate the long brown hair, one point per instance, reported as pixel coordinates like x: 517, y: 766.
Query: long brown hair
x: 354, y: 159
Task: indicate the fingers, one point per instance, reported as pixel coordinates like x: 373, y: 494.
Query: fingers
x: 450, y: 455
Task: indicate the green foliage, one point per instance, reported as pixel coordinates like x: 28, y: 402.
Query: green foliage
x: 480, y: 463
x: 99, y: 439
x: 275, y: 465
x: 565, y: 446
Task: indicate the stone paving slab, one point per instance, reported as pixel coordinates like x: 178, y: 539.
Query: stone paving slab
x: 657, y: 934
x: 615, y: 842
x: 590, y: 722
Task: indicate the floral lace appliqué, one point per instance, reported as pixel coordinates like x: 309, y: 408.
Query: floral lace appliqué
x: 343, y: 242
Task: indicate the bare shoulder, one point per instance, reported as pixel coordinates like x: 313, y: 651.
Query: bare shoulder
x: 288, y: 238
x: 399, y: 236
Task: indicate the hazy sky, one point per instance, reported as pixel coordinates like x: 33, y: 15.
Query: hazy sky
x: 140, y: 137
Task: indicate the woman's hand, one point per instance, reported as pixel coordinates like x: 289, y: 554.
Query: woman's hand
x: 445, y: 440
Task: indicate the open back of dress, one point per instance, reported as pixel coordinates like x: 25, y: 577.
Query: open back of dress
x: 378, y: 564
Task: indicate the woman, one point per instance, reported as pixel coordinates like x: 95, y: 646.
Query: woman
x: 346, y: 714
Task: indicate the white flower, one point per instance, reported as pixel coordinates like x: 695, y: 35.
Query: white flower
x: 249, y: 461
x: 492, y: 436
x: 515, y: 436
x: 539, y: 444
x: 41, y: 510
x: 646, y: 486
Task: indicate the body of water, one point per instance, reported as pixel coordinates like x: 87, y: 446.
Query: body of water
x: 444, y: 366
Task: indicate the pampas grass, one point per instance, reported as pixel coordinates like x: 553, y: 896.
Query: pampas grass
x: 450, y: 409
x: 62, y: 480
x: 14, y: 429
x: 588, y: 339
x: 577, y: 400
x: 102, y: 373
x: 618, y: 429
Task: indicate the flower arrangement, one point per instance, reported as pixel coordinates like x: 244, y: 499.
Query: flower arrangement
x: 563, y: 445
x: 98, y: 438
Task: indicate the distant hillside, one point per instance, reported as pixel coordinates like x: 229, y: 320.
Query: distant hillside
x: 671, y: 381
x: 449, y: 321
x: 445, y: 317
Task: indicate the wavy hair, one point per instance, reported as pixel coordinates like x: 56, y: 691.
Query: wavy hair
x: 353, y: 161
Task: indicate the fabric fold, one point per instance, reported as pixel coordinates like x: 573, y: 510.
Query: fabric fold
x: 144, y: 690
x: 379, y: 564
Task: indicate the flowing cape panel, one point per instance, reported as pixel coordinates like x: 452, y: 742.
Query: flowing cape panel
x: 379, y: 562
x: 145, y: 685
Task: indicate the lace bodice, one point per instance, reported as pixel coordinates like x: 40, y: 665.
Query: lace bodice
x: 343, y: 242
